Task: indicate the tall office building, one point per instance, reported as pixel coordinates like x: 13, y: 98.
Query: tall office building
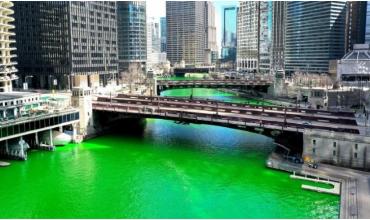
x: 315, y: 34
x: 254, y: 36
x: 186, y: 31
x: 7, y: 68
x: 132, y: 39
x: 211, y: 53
x: 163, y: 27
x: 229, y: 16
x: 64, y: 44
x: 153, y: 42
x: 355, y: 24
x: 278, y: 35
x: 367, y: 27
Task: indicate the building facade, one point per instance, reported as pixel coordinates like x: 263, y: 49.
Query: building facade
x: 7, y: 68
x: 66, y: 44
x: 315, y: 34
x: 367, y: 27
x: 211, y: 53
x: 163, y: 28
x: 186, y: 31
x: 278, y: 35
x: 153, y: 43
x: 254, y: 37
x: 229, y: 16
x: 355, y: 24
x: 132, y: 36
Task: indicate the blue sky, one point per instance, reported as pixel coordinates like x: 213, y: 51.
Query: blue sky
x: 157, y: 8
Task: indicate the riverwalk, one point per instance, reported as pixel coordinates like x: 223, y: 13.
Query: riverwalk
x: 354, y: 190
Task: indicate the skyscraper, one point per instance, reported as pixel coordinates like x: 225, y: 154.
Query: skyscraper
x: 254, y: 36
x: 186, y: 31
x: 315, y: 34
x: 7, y: 69
x: 367, y: 27
x: 211, y: 53
x: 132, y: 39
x: 163, y: 27
x: 355, y: 24
x: 229, y: 16
x: 278, y: 35
x: 153, y: 41
x: 65, y: 44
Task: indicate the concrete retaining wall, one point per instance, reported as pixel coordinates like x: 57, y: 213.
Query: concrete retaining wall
x: 341, y: 149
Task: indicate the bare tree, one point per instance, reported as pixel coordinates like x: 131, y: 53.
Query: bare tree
x: 133, y: 76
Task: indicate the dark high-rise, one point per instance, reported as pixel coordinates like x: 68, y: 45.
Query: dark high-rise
x: 315, y: 34
x: 132, y: 39
x: 355, y: 24
x: 64, y: 44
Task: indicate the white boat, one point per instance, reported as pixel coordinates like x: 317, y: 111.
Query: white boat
x: 59, y: 138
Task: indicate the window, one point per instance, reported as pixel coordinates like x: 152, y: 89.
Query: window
x: 355, y: 155
x: 313, y: 150
x: 334, y: 153
x: 334, y: 144
x: 356, y: 146
x: 314, y: 142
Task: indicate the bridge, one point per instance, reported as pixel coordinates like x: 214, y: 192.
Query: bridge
x: 285, y: 125
x: 256, y: 84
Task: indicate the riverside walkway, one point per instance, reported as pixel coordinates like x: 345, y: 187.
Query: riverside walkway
x: 223, y: 113
x: 355, y: 185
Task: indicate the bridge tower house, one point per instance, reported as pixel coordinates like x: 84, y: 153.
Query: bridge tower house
x: 82, y: 99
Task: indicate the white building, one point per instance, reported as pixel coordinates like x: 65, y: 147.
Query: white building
x: 7, y: 69
x: 354, y: 67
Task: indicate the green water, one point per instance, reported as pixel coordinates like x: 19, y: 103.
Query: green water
x: 206, y: 93
x: 166, y: 170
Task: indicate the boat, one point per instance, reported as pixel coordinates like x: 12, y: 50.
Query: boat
x: 59, y: 138
x: 4, y: 164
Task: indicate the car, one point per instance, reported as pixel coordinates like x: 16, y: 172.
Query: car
x: 312, y: 164
x: 294, y: 159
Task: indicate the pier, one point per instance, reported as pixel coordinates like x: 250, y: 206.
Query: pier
x: 354, y: 189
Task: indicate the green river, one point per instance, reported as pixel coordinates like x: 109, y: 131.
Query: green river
x: 166, y: 170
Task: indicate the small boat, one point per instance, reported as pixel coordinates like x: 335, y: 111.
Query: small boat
x: 4, y: 164
x: 59, y: 138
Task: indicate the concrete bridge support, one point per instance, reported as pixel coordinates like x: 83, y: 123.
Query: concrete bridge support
x: 14, y: 149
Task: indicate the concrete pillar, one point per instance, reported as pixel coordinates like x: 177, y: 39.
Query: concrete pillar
x: 61, y: 129
x: 74, y: 132
x: 4, y: 113
x: 6, y: 147
x: 51, y: 137
x: 37, y: 139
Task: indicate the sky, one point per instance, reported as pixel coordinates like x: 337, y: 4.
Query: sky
x: 157, y: 9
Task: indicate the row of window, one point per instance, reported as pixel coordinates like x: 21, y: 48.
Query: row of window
x: 39, y: 124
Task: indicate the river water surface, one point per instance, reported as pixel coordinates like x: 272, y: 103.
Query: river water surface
x: 167, y: 170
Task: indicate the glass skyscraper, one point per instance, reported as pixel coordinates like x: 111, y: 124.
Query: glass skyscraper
x: 163, y: 28
x: 315, y: 34
x: 229, y: 17
x: 131, y: 32
x: 367, y: 31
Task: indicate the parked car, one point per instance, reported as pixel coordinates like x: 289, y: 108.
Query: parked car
x: 312, y: 164
x: 294, y: 159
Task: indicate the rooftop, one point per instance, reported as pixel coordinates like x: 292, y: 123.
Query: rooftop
x: 359, y: 52
x: 15, y: 95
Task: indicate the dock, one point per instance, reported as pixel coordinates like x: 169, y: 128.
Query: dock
x: 336, y: 185
x: 354, y: 184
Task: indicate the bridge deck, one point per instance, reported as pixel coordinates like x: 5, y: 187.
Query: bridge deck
x: 216, y: 113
